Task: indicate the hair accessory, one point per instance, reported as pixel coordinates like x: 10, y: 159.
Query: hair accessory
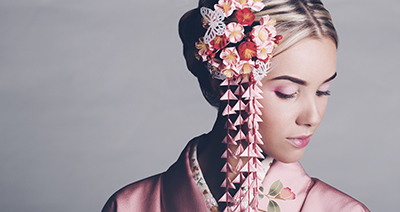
x: 239, y: 53
x: 262, y: 69
x: 215, y: 73
x: 216, y: 26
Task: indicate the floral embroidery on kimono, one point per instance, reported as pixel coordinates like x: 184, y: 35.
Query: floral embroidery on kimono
x: 276, y: 191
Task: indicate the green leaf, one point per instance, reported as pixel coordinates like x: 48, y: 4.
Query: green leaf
x: 260, y: 197
x: 275, y: 188
x: 261, y: 189
x: 273, y: 206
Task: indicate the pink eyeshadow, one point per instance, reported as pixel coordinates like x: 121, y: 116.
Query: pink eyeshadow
x: 285, y: 89
x: 325, y: 86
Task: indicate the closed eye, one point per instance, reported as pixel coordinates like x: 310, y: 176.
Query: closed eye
x: 323, y: 93
x: 285, y: 96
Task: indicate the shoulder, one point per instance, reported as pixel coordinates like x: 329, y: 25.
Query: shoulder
x: 143, y: 195
x: 323, y: 197
x: 173, y: 190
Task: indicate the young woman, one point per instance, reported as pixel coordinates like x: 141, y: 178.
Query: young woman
x: 267, y: 67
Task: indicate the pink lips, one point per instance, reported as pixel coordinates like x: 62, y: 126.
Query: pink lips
x: 299, y: 142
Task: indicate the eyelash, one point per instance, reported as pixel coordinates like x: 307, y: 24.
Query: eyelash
x: 285, y: 96
x: 289, y: 96
x: 323, y: 93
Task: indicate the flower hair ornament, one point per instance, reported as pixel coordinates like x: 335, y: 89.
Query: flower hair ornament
x: 239, y: 54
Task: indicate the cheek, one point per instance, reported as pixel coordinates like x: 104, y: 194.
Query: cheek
x: 322, y: 106
x: 275, y: 109
x: 276, y: 114
x: 275, y: 127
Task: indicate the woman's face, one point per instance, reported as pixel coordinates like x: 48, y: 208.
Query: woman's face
x: 295, y: 97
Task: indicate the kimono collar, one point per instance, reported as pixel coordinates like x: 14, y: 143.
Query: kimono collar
x: 285, y: 186
x: 211, y: 203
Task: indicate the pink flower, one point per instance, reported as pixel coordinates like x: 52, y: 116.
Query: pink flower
x: 234, y: 32
x: 227, y: 6
x: 264, y: 20
x: 229, y: 72
x: 229, y: 56
x: 245, y: 67
x: 245, y: 16
x: 262, y: 34
x: 257, y: 5
x: 243, y: 3
x: 287, y: 194
x: 264, y: 51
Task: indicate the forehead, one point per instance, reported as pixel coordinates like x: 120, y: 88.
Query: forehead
x: 312, y: 60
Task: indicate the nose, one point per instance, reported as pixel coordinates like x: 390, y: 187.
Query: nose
x: 310, y: 115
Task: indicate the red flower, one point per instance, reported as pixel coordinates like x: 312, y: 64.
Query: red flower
x: 245, y: 16
x: 219, y: 42
x: 247, y: 50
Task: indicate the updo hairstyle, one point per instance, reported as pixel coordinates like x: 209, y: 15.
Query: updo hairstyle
x: 295, y: 20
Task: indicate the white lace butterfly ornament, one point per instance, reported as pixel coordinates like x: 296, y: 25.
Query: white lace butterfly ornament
x: 216, y: 26
x: 262, y: 69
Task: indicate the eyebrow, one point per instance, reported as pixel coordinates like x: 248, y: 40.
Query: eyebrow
x: 331, y: 78
x: 299, y: 81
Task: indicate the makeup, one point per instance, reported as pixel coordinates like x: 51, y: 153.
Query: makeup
x: 285, y: 92
x: 325, y: 86
x: 300, y: 141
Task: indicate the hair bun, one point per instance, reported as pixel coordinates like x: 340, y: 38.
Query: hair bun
x: 190, y: 30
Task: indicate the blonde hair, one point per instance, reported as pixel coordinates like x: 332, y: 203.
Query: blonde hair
x: 299, y: 19
x: 295, y: 20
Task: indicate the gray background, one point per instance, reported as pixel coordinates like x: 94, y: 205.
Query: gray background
x: 95, y: 95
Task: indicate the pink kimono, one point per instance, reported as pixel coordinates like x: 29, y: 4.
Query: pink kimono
x: 176, y: 191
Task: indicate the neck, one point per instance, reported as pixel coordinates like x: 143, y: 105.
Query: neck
x: 209, y: 151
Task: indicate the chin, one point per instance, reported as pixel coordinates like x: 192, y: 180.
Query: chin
x: 289, y: 158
